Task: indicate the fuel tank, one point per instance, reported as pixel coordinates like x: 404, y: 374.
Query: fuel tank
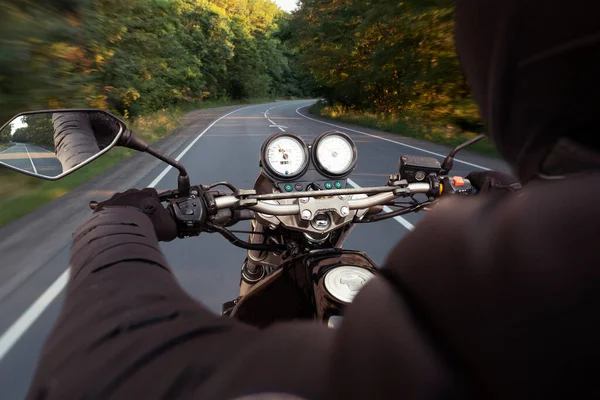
x: 314, y: 286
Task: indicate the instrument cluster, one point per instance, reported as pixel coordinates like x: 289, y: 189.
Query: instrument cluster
x: 296, y: 166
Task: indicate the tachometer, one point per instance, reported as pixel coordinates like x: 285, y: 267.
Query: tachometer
x: 285, y: 156
x: 335, y: 154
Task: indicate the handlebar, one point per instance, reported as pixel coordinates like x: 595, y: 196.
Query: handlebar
x: 211, y: 211
x: 204, y: 210
x: 273, y: 208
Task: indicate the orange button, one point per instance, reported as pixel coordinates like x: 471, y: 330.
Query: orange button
x: 459, y: 181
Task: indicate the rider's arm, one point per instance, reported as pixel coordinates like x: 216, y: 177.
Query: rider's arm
x: 128, y: 330
x: 503, y: 290
x: 74, y: 139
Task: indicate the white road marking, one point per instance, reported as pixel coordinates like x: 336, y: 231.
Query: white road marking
x: 184, y: 152
x: 30, y: 160
x: 273, y: 124
x: 389, y: 140
x: 16, y: 330
x: 280, y: 127
x: 272, y: 108
x: 10, y: 148
x: 398, y: 219
x: 24, y: 322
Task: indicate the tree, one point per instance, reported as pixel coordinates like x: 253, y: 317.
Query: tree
x: 38, y: 130
x: 6, y: 134
x: 383, y: 56
x: 139, y: 56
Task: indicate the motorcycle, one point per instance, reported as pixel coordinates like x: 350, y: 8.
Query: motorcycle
x: 301, y: 208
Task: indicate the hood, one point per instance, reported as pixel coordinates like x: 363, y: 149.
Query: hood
x: 534, y: 69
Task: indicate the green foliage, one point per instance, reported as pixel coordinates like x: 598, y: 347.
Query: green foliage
x: 386, y: 57
x: 38, y: 130
x: 139, y: 56
x: 6, y: 134
x: 448, y: 135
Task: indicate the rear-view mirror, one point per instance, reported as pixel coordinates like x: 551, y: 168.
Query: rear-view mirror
x: 52, y: 144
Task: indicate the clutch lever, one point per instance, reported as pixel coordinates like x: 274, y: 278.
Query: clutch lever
x: 163, y: 196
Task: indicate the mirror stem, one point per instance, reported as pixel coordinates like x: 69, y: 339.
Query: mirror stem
x: 130, y: 140
x: 183, y: 181
x: 449, y: 161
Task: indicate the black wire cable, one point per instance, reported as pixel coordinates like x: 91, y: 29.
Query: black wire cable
x: 383, y: 217
x: 234, y: 240
x: 226, y: 184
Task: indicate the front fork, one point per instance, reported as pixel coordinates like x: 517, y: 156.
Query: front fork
x: 249, y: 277
x: 252, y: 271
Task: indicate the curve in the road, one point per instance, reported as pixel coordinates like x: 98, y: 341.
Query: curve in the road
x: 388, y: 140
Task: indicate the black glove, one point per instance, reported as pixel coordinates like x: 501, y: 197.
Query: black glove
x: 146, y: 201
x: 493, y: 181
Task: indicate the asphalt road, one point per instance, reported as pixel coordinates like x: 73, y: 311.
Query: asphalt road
x: 208, y: 267
x: 32, y: 158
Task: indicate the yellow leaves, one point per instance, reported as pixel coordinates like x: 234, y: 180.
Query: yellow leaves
x: 98, y: 101
x: 72, y: 20
x: 130, y: 95
x: 54, y: 103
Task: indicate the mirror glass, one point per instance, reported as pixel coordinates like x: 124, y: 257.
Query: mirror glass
x: 52, y: 144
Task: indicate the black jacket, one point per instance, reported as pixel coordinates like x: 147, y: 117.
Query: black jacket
x: 487, y: 298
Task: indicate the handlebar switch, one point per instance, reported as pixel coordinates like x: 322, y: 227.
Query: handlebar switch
x: 191, y: 214
x: 457, y: 185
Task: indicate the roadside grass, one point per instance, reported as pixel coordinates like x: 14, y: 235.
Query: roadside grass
x: 22, y: 194
x: 446, y: 135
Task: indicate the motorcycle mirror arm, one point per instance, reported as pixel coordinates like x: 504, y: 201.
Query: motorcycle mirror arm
x: 132, y: 141
x: 449, y: 161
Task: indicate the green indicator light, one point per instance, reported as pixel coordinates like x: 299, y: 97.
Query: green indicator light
x: 289, y: 188
x: 328, y: 185
x: 338, y: 185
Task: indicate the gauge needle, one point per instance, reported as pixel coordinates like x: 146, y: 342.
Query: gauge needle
x: 333, y: 153
x: 285, y: 156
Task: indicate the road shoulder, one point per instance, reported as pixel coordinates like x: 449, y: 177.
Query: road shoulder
x: 420, y: 144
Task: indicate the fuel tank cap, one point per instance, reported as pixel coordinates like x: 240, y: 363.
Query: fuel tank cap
x: 343, y: 283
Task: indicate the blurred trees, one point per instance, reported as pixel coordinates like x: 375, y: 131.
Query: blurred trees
x: 385, y: 56
x: 382, y: 56
x: 139, y: 56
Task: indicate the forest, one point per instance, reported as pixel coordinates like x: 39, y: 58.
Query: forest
x: 392, y: 63
x: 135, y: 57
x: 393, y: 60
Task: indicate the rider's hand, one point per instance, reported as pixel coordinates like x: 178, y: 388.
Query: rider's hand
x: 493, y: 181
x: 146, y: 201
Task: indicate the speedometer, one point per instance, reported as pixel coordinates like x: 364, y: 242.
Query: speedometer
x: 285, y: 156
x: 335, y: 154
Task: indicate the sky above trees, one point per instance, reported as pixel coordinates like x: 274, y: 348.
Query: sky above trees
x: 287, y: 5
